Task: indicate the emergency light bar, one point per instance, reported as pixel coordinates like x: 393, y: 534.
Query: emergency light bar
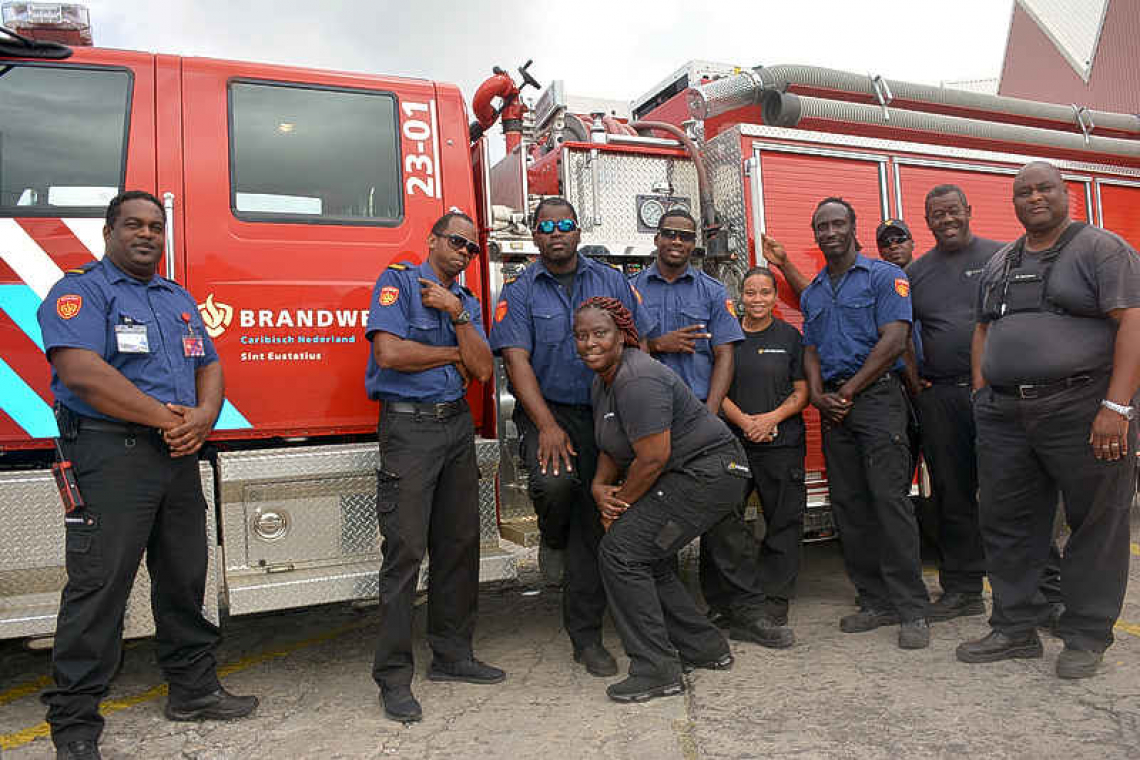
x: 68, y: 23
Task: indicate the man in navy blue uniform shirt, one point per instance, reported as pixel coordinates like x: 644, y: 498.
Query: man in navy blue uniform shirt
x: 138, y: 387
x: 857, y: 317
x: 532, y: 332
x: 427, y: 343
x: 695, y: 329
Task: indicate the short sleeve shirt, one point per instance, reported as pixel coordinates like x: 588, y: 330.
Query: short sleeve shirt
x: 943, y: 290
x: 645, y: 398
x: 693, y: 298
x: 535, y: 313
x: 397, y: 308
x: 843, y: 322
x: 1097, y: 272
x: 767, y: 364
x: 137, y: 327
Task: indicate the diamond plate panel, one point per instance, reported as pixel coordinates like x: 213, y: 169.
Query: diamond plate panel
x: 724, y: 163
x: 621, y: 178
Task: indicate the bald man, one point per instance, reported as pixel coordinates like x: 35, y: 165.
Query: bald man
x: 1055, y: 366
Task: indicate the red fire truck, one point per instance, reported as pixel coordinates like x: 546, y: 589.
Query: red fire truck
x: 288, y: 190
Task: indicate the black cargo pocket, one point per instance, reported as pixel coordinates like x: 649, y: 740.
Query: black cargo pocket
x: 668, y: 536
x: 84, y: 559
x: 387, y: 491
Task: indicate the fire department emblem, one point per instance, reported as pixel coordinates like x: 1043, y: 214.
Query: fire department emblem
x: 388, y: 295
x: 500, y: 311
x: 729, y: 306
x: 68, y: 306
x: 216, y: 316
x: 635, y: 293
x: 902, y: 287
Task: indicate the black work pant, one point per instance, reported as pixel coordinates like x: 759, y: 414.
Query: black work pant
x: 569, y: 519
x: 138, y: 498
x: 869, y: 476
x: 657, y: 619
x: 948, y: 444
x: 427, y: 500
x: 1027, y: 450
x: 744, y: 578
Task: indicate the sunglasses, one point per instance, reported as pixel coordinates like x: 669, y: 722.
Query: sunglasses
x: 547, y: 226
x: 670, y: 234
x: 458, y: 243
x: 894, y: 240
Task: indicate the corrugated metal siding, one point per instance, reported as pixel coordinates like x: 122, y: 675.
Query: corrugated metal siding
x: 1036, y: 70
x: 1121, y: 208
x: 1073, y: 25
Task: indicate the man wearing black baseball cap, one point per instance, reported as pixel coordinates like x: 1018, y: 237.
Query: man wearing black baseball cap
x: 895, y: 242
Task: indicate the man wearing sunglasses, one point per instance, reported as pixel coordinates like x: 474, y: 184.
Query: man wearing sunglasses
x: 695, y: 327
x: 532, y: 332
x: 427, y: 343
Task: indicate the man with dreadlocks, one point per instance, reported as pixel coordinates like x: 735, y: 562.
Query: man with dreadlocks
x: 668, y: 470
x: 532, y: 332
x: 857, y: 316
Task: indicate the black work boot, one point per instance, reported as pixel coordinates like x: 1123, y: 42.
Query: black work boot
x: 914, y: 634
x: 83, y: 749
x: 598, y: 661
x: 467, y: 671
x: 765, y: 632
x: 400, y: 705
x: 1077, y: 663
x: 643, y: 689
x: 998, y: 646
x: 719, y: 662
x: 954, y: 604
x: 217, y: 705
x: 867, y: 619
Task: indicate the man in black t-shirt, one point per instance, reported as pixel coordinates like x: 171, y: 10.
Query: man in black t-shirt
x: 1055, y: 368
x: 943, y: 288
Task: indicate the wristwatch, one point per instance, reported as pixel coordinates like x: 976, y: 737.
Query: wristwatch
x: 1127, y: 412
x: 461, y: 318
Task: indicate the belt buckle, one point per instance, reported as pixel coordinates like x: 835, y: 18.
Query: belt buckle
x: 1027, y: 391
x: 439, y: 411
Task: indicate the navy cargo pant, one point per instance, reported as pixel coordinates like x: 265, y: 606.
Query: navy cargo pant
x: 741, y: 577
x: 427, y: 500
x: 568, y: 518
x: 869, y: 476
x: 1027, y: 450
x: 657, y: 619
x: 137, y: 498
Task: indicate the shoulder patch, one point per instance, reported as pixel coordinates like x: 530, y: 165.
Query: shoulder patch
x: 67, y: 306
x: 500, y: 311
x: 730, y: 307
x: 389, y: 295
x: 902, y: 286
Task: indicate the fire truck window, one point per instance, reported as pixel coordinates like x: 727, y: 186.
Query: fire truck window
x: 63, y: 137
x: 314, y: 155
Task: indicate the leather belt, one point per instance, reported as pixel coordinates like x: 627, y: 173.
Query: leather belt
x: 113, y: 426
x: 962, y: 381
x: 436, y: 411
x: 1041, y: 390
x: 837, y: 383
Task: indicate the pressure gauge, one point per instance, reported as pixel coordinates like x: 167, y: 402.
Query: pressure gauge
x: 650, y: 212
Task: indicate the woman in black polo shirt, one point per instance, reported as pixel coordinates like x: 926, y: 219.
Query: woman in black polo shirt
x: 668, y: 470
x: 764, y: 408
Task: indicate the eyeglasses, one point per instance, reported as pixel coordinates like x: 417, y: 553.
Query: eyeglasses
x: 458, y: 243
x: 547, y: 226
x: 894, y: 240
x: 670, y: 234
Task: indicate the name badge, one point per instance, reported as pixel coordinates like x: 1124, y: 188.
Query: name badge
x: 192, y: 346
x: 131, y: 339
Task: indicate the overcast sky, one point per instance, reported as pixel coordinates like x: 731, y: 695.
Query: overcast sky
x: 608, y: 49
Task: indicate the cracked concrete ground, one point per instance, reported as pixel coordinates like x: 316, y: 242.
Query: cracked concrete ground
x: 831, y: 696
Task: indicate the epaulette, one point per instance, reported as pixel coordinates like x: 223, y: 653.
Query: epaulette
x: 83, y: 269
x: 399, y: 266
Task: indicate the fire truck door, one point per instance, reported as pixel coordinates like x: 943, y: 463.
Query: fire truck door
x: 1119, y: 204
x: 300, y: 188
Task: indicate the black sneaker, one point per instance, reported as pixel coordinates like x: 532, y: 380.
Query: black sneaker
x: 765, y: 632
x: 867, y: 619
x: 1077, y: 663
x: 217, y: 705
x: 598, y: 661
x: 467, y: 671
x: 643, y: 689
x: 722, y: 662
x: 914, y: 634
x: 997, y: 646
x: 400, y: 705
x: 953, y: 604
x: 79, y: 750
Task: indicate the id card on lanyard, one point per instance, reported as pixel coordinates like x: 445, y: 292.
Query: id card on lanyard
x: 192, y: 345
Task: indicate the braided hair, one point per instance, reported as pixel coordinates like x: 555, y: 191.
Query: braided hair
x: 623, y: 320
